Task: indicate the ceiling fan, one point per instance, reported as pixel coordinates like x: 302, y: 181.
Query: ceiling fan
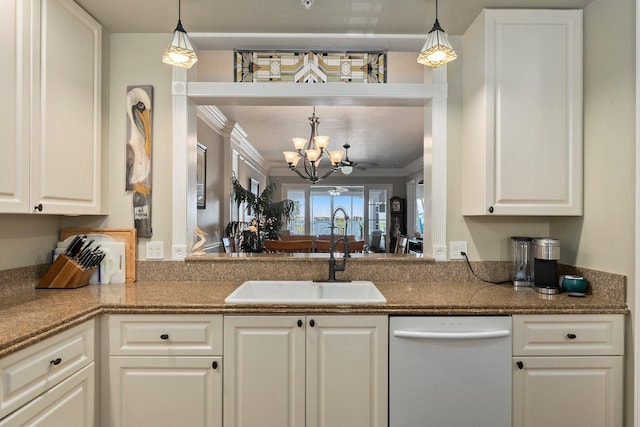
x: 336, y: 191
x: 347, y: 165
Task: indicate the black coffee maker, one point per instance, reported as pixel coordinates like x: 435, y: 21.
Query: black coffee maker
x: 545, y: 265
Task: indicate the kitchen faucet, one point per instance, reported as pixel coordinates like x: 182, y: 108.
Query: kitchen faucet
x: 333, y: 265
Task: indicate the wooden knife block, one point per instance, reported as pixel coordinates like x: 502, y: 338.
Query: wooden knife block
x: 65, y: 273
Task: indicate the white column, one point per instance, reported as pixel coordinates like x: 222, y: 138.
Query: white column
x: 438, y: 155
x: 184, y: 216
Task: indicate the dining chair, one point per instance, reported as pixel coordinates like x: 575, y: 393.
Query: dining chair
x: 355, y: 246
x: 229, y: 244
x: 288, y: 246
x: 401, y: 245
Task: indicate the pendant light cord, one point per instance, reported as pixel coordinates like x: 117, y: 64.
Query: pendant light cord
x: 464, y: 254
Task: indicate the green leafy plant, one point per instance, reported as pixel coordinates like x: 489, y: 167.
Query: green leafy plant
x: 268, y: 216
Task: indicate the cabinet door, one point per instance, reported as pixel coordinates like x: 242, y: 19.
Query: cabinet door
x: 65, y: 115
x: 264, y: 375
x: 165, y: 391
x: 14, y: 106
x: 567, y: 391
x: 69, y: 404
x: 347, y: 371
x: 523, y: 113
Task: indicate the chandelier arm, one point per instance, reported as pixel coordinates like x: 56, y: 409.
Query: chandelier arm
x: 329, y: 172
x: 293, y: 168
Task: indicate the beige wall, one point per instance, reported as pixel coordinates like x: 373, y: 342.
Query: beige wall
x: 210, y: 218
x: 135, y: 60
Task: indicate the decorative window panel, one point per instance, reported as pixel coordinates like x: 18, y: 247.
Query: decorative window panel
x: 310, y: 67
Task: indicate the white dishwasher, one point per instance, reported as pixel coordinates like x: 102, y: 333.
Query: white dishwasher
x: 450, y: 371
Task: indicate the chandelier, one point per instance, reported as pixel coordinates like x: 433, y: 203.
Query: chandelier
x: 311, y: 152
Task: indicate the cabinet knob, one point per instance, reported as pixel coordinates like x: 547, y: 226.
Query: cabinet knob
x: 38, y: 207
x: 572, y: 336
x: 164, y: 336
x: 490, y: 209
x: 312, y: 323
x: 56, y: 362
x: 520, y: 364
x: 214, y: 365
x: 299, y: 323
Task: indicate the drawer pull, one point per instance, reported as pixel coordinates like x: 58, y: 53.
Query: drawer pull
x: 299, y: 323
x: 214, y: 365
x: 312, y: 323
x: 572, y: 336
x: 164, y: 336
x: 56, y: 362
x: 520, y: 364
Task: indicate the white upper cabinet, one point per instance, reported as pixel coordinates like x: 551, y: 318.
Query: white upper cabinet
x: 522, y: 97
x: 14, y: 106
x: 51, y: 163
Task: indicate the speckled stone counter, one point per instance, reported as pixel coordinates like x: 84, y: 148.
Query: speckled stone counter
x: 29, y: 315
x: 410, y: 283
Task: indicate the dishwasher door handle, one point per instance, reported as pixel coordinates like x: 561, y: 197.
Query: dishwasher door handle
x: 452, y: 335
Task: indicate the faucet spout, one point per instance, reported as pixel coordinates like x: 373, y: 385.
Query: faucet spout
x: 333, y: 264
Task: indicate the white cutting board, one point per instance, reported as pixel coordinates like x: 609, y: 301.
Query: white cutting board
x: 112, y: 267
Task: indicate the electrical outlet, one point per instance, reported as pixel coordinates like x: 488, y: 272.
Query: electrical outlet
x: 455, y: 248
x: 178, y: 252
x: 155, y: 250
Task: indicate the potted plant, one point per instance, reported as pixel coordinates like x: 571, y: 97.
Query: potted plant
x: 268, y: 216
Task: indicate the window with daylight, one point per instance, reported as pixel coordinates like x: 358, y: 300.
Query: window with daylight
x: 365, y: 205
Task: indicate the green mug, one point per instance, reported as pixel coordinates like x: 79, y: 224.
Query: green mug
x: 573, y: 283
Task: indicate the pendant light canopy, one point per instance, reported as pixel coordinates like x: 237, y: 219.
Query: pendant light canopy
x: 436, y: 50
x: 180, y: 52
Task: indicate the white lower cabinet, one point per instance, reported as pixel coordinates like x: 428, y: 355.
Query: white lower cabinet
x: 166, y: 391
x: 165, y: 370
x: 50, y: 381
x: 69, y: 404
x: 296, y: 370
x: 568, y: 371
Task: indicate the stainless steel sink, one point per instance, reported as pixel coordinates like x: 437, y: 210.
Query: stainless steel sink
x: 305, y: 292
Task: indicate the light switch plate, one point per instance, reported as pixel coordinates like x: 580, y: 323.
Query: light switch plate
x: 155, y: 250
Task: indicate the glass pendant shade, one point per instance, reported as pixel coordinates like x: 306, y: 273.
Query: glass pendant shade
x: 346, y: 170
x: 336, y: 156
x: 291, y: 157
x: 313, y: 155
x: 299, y: 143
x: 437, y: 50
x: 180, y: 52
x: 321, y: 141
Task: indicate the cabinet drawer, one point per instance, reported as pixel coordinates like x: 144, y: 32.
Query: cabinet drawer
x: 34, y: 370
x: 568, y: 335
x: 158, y: 335
x: 70, y: 403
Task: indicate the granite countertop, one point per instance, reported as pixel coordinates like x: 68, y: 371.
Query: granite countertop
x: 31, y: 315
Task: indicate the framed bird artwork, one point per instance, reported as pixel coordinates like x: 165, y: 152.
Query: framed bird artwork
x: 139, y: 146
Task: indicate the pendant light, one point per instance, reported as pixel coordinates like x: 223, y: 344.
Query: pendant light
x: 180, y: 52
x: 436, y: 50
